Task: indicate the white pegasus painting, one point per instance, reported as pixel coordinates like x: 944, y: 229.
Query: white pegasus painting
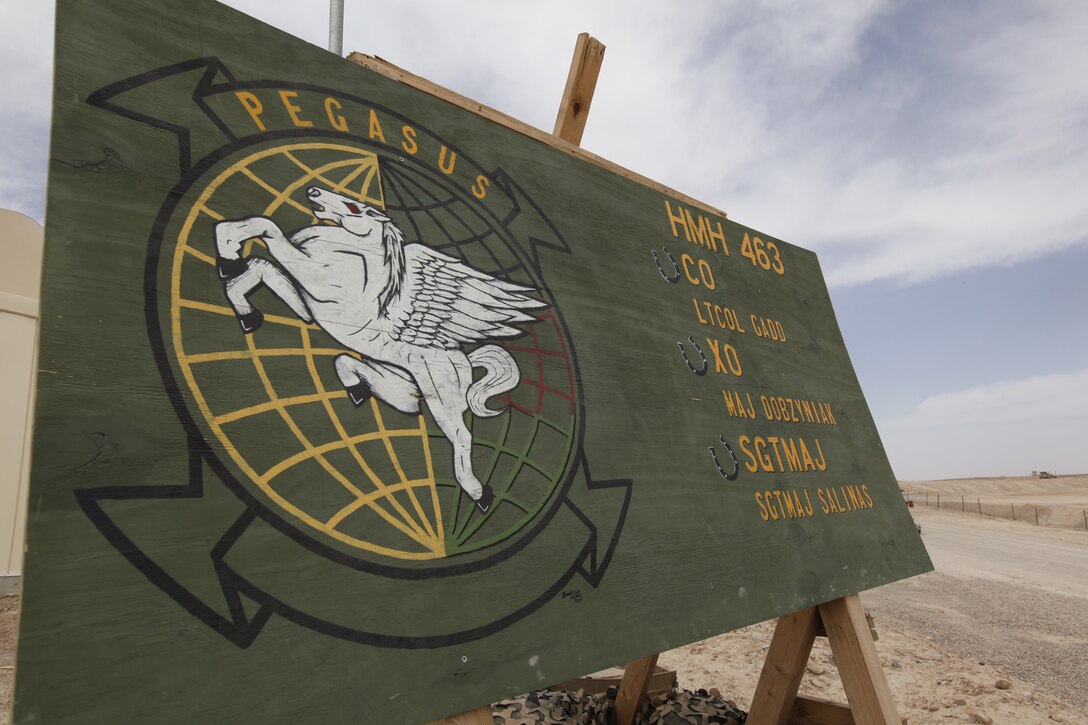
x: 405, y: 309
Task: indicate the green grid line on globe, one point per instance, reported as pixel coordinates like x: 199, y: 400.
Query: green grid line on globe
x: 371, y: 480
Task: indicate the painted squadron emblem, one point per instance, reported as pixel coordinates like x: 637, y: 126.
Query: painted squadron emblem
x: 399, y: 418
x: 406, y: 311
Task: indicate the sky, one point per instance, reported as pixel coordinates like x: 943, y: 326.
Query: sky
x: 933, y: 154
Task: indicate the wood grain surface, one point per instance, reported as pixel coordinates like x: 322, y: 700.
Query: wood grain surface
x: 218, y: 533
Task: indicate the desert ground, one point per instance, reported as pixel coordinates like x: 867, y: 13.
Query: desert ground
x: 1060, y: 502
x: 995, y: 635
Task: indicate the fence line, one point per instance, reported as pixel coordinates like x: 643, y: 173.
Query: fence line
x: 995, y: 510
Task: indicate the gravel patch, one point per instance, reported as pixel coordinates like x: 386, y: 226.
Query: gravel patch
x: 9, y: 623
x: 1038, y: 636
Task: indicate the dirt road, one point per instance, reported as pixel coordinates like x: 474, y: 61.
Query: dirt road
x: 966, y: 545
x: 1006, y: 593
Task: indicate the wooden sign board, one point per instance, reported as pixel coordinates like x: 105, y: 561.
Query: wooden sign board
x: 357, y: 406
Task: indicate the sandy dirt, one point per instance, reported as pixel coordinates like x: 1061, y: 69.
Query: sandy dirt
x: 1009, y: 601
x: 996, y: 635
x: 1057, y: 502
x: 930, y: 685
x: 9, y: 613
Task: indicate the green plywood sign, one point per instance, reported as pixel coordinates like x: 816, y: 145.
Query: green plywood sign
x: 357, y: 407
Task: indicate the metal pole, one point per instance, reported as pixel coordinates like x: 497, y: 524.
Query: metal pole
x: 336, y: 26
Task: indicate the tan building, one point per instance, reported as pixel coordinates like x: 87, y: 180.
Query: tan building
x: 20, y: 288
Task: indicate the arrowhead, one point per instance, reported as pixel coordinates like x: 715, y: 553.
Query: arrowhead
x: 171, y: 533
x: 602, y: 507
x: 527, y: 220
x: 140, y: 98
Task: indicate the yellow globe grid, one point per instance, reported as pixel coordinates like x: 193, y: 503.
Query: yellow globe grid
x: 423, y: 524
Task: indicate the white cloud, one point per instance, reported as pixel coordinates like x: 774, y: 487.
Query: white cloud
x: 899, y: 140
x: 968, y: 150
x: 26, y: 77
x: 1006, y: 428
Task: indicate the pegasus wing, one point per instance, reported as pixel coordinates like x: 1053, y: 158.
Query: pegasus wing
x: 446, y: 303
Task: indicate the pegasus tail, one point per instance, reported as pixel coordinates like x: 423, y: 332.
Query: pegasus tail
x: 502, y: 376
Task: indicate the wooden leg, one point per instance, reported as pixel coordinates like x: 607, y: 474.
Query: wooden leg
x: 479, y: 716
x: 585, y: 67
x: 636, y: 678
x: 859, y: 665
x: 787, y: 656
x: 818, y: 711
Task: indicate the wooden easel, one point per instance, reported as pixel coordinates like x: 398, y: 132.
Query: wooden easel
x: 570, y: 123
x: 776, y: 701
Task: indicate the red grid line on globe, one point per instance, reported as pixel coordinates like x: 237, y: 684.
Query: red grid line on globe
x: 539, y: 383
x: 566, y: 355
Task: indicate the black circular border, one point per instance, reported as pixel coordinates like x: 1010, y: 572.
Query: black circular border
x: 163, y: 358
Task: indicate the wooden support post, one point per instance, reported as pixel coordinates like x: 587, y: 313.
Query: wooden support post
x: 479, y: 716
x: 585, y: 67
x: 387, y: 69
x: 851, y: 634
x: 787, y: 656
x: 636, y: 678
x: 578, y: 94
x: 573, y: 111
x: 859, y: 665
x: 809, y: 710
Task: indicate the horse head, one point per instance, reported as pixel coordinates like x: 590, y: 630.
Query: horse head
x: 366, y: 222
x: 358, y: 218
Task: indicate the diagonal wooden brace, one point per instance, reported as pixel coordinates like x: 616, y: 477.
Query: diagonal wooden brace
x: 851, y: 637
